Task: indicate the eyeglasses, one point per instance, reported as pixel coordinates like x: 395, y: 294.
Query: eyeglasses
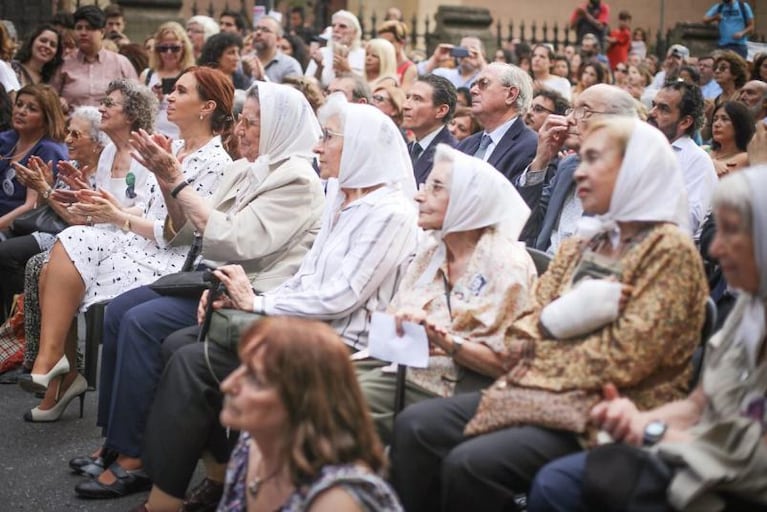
x: 75, y: 134
x: 130, y: 182
x: 482, y: 83
x: 328, y: 134
x: 109, y: 102
x: 265, y: 30
x: 431, y: 187
x: 379, y: 99
x: 722, y: 67
x: 248, y: 123
x: 340, y: 25
x: 583, y: 112
x: 167, y: 48
x: 620, y: 69
x: 540, y: 109
x: 195, y: 31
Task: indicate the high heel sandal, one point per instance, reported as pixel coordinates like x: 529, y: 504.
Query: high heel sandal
x: 76, y: 390
x: 39, y: 382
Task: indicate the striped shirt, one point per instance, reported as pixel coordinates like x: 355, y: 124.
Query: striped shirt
x: 355, y: 269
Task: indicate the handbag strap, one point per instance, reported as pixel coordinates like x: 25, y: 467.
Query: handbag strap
x: 194, y: 252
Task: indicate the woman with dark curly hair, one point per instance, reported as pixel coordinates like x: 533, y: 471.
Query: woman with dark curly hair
x: 222, y: 52
x: 732, y: 127
x: 759, y: 69
x: 296, y: 48
x: 731, y: 73
x: 39, y: 57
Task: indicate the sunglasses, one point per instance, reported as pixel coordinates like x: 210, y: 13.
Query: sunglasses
x: 379, y: 99
x: 130, y: 182
x: 167, y: 48
x: 620, y: 69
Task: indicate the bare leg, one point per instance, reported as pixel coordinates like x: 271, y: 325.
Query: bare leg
x: 55, y: 391
x: 159, y: 501
x: 61, y: 292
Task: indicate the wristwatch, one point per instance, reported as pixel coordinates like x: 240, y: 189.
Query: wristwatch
x: 47, y: 193
x: 654, y: 432
x: 457, y: 345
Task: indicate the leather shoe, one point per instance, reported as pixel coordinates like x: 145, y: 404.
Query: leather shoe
x: 93, y: 466
x: 204, y: 497
x: 128, y: 482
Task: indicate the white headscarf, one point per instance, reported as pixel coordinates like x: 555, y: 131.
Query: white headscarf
x: 374, y: 153
x: 649, y: 186
x: 479, y: 197
x: 752, y: 325
x: 757, y: 184
x: 288, y: 124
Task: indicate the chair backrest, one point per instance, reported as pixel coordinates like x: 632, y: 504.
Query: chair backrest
x: 540, y: 259
x: 705, y: 334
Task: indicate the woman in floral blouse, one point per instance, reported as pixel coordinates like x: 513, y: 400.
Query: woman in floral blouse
x: 465, y: 285
x: 623, y: 301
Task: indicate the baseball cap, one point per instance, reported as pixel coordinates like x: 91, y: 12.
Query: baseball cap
x: 678, y: 50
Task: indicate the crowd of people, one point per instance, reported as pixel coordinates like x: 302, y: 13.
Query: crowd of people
x: 559, y: 224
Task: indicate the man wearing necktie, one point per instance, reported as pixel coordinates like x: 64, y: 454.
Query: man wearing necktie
x: 500, y: 96
x: 429, y: 106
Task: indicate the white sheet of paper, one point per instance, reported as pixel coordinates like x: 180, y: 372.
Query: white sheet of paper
x: 411, y: 349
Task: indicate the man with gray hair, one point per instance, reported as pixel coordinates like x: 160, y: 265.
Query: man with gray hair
x: 271, y: 61
x: 501, y: 96
x: 353, y: 86
x: 556, y: 212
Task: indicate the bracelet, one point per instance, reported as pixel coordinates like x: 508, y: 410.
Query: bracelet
x: 127, y: 225
x: 178, y: 188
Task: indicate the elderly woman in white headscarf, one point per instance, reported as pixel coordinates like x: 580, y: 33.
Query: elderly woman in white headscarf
x: 465, y: 285
x: 622, y: 304
x: 344, y: 52
x: 264, y: 215
x: 368, y: 234
x: 713, y: 440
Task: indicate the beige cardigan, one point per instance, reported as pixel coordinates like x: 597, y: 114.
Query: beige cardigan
x: 273, y: 226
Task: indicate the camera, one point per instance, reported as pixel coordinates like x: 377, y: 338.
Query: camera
x: 459, y: 52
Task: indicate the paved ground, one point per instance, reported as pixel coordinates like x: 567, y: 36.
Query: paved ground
x: 34, y: 475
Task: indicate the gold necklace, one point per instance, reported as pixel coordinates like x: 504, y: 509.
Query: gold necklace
x: 254, y: 486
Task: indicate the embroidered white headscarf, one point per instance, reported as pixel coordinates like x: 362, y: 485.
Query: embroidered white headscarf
x: 479, y: 197
x: 649, y: 186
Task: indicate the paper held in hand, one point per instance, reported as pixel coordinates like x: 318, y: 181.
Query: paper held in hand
x: 410, y: 349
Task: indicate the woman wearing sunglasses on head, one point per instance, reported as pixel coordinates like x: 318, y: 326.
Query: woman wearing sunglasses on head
x: 172, y: 53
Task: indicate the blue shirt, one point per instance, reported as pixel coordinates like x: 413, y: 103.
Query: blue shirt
x: 732, y: 21
x: 46, y: 148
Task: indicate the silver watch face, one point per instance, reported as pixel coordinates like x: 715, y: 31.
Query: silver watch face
x: 655, y: 428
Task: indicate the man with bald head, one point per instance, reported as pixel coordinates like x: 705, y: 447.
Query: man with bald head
x: 557, y: 211
x: 754, y: 96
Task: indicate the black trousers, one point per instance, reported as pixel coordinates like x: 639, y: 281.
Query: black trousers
x: 183, y: 421
x: 14, y: 253
x: 435, y: 467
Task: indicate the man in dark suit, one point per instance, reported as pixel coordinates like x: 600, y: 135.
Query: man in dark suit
x: 500, y: 97
x: 428, y: 108
x: 556, y: 210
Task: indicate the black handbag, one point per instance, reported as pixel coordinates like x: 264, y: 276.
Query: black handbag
x: 188, y: 283
x: 42, y: 219
x: 183, y: 284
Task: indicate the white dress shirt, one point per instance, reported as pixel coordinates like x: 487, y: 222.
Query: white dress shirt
x: 354, y: 271
x: 699, y: 178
